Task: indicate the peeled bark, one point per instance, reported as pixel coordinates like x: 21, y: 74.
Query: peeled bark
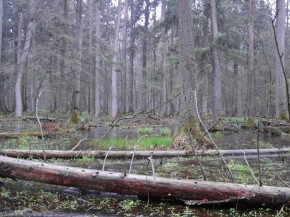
x: 138, y: 154
x: 194, y: 192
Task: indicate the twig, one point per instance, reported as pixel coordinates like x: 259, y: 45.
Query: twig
x: 104, y: 163
x: 152, y: 165
x: 81, y: 140
x: 40, y: 126
x: 135, y: 149
x: 282, y: 181
x: 251, y: 171
x: 258, y: 151
x: 222, y: 158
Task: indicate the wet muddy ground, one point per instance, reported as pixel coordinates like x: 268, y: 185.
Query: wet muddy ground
x: 21, y: 198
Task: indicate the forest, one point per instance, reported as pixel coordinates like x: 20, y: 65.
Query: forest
x: 104, y: 57
x: 144, y: 107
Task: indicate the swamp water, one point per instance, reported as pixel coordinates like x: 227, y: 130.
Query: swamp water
x: 20, y: 198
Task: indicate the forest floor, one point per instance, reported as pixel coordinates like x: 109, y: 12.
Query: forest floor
x: 22, y: 198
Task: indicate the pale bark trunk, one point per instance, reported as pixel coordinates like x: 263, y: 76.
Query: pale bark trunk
x: 124, y: 59
x: 194, y: 192
x: 2, y: 76
x: 115, y: 63
x: 217, y: 94
x: 251, y: 71
x: 21, y: 62
x: 18, y: 153
x: 143, y: 102
x: 97, y: 60
x: 281, y: 101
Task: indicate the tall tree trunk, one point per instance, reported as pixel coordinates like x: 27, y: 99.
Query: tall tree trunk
x: 91, y: 56
x: 22, y: 55
x: 217, y: 94
x: 280, y: 81
x: 78, y: 68
x: 188, y: 124
x: 115, y: 63
x: 164, y: 110
x: 130, y: 74
x: 205, y: 43
x: 251, y: 70
x: 2, y: 76
x: 124, y: 59
x: 97, y: 60
x: 144, y: 58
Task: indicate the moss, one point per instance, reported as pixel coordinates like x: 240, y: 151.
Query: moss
x: 283, y: 115
x: 75, y: 117
x: 250, y: 124
x: 221, y: 123
x: 189, y: 133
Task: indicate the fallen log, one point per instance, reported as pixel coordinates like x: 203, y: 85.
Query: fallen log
x: 194, y: 192
x: 138, y: 154
x: 9, y: 135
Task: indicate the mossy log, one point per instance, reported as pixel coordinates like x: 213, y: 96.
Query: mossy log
x: 9, y: 135
x: 137, y: 154
x: 193, y: 192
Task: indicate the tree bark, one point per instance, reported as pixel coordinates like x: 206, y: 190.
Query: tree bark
x: 194, y: 192
x: 280, y: 81
x: 78, y: 67
x: 2, y: 76
x: 251, y: 71
x: 125, y: 154
x: 164, y: 109
x: 217, y: 82
x: 130, y: 74
x: 97, y: 60
x: 115, y: 60
x: 22, y: 55
x: 124, y: 60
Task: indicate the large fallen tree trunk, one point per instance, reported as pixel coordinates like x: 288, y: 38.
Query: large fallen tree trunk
x: 124, y: 154
x: 192, y: 191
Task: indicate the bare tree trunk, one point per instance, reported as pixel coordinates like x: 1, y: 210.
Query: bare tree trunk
x: 193, y: 192
x: 124, y: 60
x: 21, y: 61
x: 97, y: 60
x: 2, y: 76
x: 78, y: 67
x: 91, y: 56
x: 18, y: 153
x: 115, y: 62
x: 144, y: 57
x: 251, y: 70
x: 130, y: 74
x: 217, y: 94
x: 164, y: 110
x: 280, y: 81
